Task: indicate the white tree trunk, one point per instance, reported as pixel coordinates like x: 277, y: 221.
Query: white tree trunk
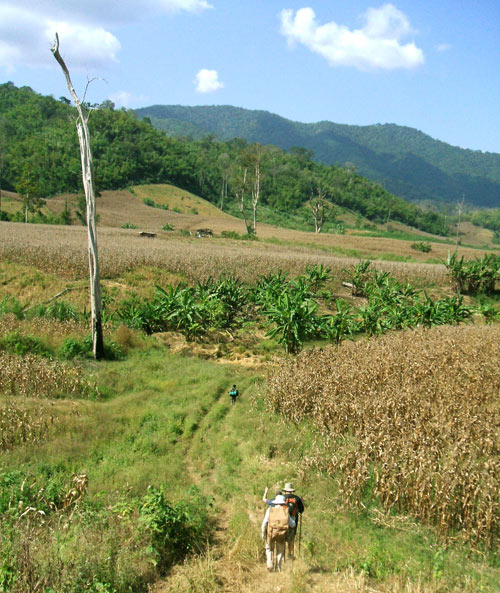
x: 256, y: 195
x: 241, y: 200
x: 88, y: 186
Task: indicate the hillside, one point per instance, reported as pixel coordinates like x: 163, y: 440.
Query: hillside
x: 406, y: 161
x: 39, y: 157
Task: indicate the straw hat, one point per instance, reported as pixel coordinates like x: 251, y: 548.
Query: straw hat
x: 288, y: 487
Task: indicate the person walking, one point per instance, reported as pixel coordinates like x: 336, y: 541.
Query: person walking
x: 275, y: 526
x: 234, y: 394
x: 295, y: 508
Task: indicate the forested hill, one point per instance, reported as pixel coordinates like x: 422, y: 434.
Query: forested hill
x: 406, y: 161
x: 39, y: 157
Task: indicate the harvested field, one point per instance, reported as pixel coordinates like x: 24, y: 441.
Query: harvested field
x: 63, y: 250
x: 116, y: 208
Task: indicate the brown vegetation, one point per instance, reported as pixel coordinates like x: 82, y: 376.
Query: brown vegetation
x: 411, y: 419
x: 63, y: 250
x: 34, y: 376
x: 22, y: 425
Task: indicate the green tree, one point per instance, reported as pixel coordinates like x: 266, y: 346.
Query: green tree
x: 28, y: 188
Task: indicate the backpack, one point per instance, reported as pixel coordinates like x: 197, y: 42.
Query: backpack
x: 277, y: 525
x: 291, y: 503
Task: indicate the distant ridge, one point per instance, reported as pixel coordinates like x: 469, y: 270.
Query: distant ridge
x: 404, y: 160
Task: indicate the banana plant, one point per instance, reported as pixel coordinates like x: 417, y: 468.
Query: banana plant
x: 317, y: 276
x: 342, y: 325
x: 294, y: 320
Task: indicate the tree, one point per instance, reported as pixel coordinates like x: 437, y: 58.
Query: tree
x: 240, y: 187
x: 2, y: 159
x: 89, y: 188
x: 253, y: 160
x: 317, y: 204
x: 224, y: 165
x: 460, y: 210
x: 27, y: 187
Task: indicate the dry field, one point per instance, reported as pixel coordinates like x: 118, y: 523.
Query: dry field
x: 63, y: 251
x: 413, y: 418
x: 117, y: 208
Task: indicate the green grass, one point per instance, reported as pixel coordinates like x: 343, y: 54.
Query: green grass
x: 166, y: 420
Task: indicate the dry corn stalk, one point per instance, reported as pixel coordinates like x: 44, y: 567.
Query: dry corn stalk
x: 414, y: 417
x: 34, y: 376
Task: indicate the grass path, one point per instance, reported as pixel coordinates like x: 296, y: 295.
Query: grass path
x: 234, y: 560
x: 231, y: 456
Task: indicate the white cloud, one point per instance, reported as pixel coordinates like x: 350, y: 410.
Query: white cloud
x: 125, y: 99
x: 207, y: 81
x: 378, y: 44
x: 444, y: 47
x: 27, y: 28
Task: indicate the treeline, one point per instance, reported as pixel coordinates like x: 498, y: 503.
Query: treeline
x: 39, y: 157
x: 408, y: 162
x: 489, y: 219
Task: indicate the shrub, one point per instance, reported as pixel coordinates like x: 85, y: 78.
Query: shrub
x: 10, y: 304
x: 58, y: 310
x: 174, y: 530
x: 129, y: 225
x: 423, y: 246
x: 72, y: 347
x: 20, y: 344
x: 167, y: 227
x: 230, y: 235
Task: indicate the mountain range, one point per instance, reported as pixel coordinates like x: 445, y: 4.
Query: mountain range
x: 407, y: 162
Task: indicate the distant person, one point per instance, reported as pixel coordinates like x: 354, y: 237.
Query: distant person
x: 275, y: 526
x: 296, y: 508
x: 234, y: 394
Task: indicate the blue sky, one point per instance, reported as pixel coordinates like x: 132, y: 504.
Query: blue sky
x: 431, y: 65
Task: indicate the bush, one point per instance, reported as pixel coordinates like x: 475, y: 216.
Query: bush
x: 58, y: 310
x: 73, y: 348
x: 174, y: 530
x: 12, y: 305
x: 230, y: 235
x: 423, y: 246
x: 20, y: 344
x: 167, y: 227
x: 129, y: 225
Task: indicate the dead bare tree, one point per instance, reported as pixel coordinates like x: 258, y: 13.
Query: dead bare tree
x: 317, y: 204
x: 256, y: 162
x: 89, y: 189
x: 460, y: 210
x: 240, y: 188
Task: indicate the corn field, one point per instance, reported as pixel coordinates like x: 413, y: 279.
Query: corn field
x: 36, y: 377
x: 62, y: 250
x: 411, y: 419
x: 20, y: 425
